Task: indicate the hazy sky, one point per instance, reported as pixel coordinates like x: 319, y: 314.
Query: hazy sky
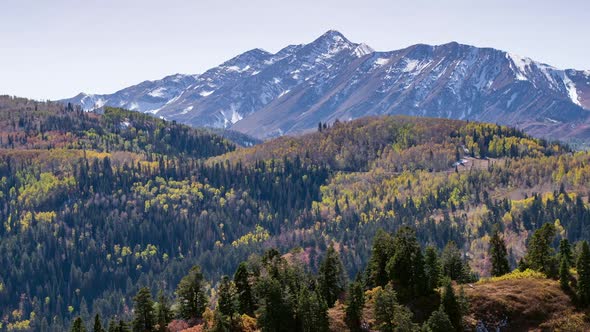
x: 55, y: 49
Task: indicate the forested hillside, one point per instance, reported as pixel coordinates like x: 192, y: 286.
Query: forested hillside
x: 94, y: 207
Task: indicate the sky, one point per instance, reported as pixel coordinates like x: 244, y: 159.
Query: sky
x: 56, y: 49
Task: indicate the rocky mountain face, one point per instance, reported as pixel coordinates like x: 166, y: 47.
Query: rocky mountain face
x: 267, y: 95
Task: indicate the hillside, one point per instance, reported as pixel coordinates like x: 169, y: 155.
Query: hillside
x: 289, y: 92
x: 96, y: 206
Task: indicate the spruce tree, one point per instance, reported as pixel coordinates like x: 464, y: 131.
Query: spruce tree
x: 452, y: 307
x: 452, y: 263
x: 540, y: 254
x: 432, y: 268
x: 391, y: 316
x: 583, y: 266
x: 113, y: 326
x: 97, y: 324
x: 227, y: 303
x: 564, y: 274
x: 143, y: 311
x: 191, y: 294
x: 499, y: 256
x: 331, y: 276
x: 381, y: 252
x: 312, y: 311
x: 406, y: 267
x: 244, y: 290
x: 565, y: 252
x: 163, y: 312
x: 78, y: 325
x: 355, y: 303
x: 438, y: 322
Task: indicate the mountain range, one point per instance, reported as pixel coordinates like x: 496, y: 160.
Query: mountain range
x: 267, y: 95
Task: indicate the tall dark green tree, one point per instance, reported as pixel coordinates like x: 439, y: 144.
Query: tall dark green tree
x: 432, y: 268
x: 406, y: 267
x: 452, y: 307
x: 227, y: 304
x: 564, y: 274
x: 540, y: 255
x: 381, y: 252
x: 583, y: 266
x: 355, y: 302
x: 438, y: 322
x: 565, y: 252
x: 499, y: 256
x: 391, y: 316
x: 143, y: 311
x: 163, y: 312
x: 331, y: 276
x: 97, y: 324
x: 191, y: 294
x: 246, y: 300
x: 275, y: 311
x: 78, y: 325
x: 312, y: 311
x: 452, y: 262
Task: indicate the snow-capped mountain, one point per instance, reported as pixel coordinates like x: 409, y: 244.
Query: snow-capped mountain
x: 265, y: 94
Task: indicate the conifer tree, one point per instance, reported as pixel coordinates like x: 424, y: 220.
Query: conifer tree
x: 331, y: 276
x: 432, y: 268
x: 452, y: 307
x: 244, y: 290
x: 312, y: 311
x: 406, y: 267
x: 438, y: 322
x: 565, y: 252
x: 381, y: 252
x: 163, y: 312
x: 143, y: 311
x: 113, y: 327
x: 499, y: 256
x: 355, y: 303
x: 97, y: 324
x: 391, y: 316
x: 452, y: 263
x: 540, y: 254
x: 227, y: 303
x: 583, y: 266
x: 78, y: 325
x: 564, y: 274
x: 191, y: 294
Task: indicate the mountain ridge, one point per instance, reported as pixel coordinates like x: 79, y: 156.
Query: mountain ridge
x: 267, y: 95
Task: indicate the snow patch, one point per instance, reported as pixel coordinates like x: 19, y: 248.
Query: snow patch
x: 157, y: 93
x: 571, y: 89
x: 283, y: 93
x: 381, y: 61
x: 186, y: 110
x: 206, y: 93
x: 362, y: 50
x: 521, y: 64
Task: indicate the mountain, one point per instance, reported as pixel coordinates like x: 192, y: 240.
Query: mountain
x: 267, y: 95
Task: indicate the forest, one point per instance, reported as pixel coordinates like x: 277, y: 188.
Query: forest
x: 113, y: 216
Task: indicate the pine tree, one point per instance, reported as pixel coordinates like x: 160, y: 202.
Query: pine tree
x: 564, y: 274
x: 432, y: 268
x: 452, y: 307
x: 113, y: 327
x: 78, y: 325
x: 97, y: 324
x: 381, y: 252
x: 244, y: 290
x: 406, y: 267
x: 143, y: 311
x: 499, y: 256
x: 565, y: 252
x: 331, y: 276
x: 191, y: 294
x: 583, y: 266
x: 312, y: 311
x: 540, y: 254
x: 391, y: 316
x: 227, y: 303
x: 163, y: 312
x: 122, y: 327
x: 275, y: 313
x: 355, y: 303
x: 438, y: 322
x: 452, y: 263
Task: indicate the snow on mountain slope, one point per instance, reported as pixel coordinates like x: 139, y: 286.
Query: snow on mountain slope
x: 265, y: 94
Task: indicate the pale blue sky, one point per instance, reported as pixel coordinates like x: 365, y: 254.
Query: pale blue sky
x: 55, y: 49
